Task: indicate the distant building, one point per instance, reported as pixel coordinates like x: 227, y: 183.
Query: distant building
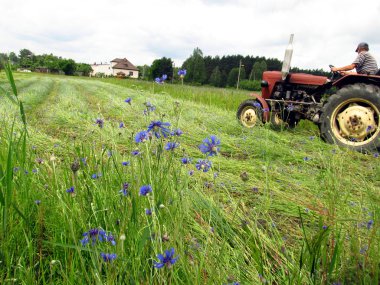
x: 118, y: 66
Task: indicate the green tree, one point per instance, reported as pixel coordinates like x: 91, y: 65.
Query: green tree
x: 13, y: 58
x: 3, y: 60
x: 216, y: 78
x: 144, y: 71
x: 26, y: 58
x: 257, y: 70
x: 84, y: 69
x: 195, y: 66
x: 233, y: 76
x: 68, y: 66
x: 160, y: 67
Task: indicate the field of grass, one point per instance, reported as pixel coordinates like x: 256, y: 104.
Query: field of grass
x: 274, y: 208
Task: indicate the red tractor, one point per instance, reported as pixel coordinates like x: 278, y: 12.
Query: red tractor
x: 350, y: 117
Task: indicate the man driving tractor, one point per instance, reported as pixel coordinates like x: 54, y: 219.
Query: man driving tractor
x: 364, y: 63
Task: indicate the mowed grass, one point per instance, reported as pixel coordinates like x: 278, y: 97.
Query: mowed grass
x: 275, y: 208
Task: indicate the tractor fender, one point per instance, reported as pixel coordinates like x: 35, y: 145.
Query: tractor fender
x: 264, y: 104
x: 350, y: 79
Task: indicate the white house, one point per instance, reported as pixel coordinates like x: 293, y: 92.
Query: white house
x: 116, y: 66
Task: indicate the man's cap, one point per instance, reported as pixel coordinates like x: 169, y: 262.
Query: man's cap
x: 362, y: 45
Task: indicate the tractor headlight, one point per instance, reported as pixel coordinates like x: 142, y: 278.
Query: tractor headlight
x: 264, y: 83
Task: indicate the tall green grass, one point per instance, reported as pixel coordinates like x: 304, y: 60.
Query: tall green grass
x: 276, y: 207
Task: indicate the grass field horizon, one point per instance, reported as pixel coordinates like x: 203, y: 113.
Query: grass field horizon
x: 274, y: 208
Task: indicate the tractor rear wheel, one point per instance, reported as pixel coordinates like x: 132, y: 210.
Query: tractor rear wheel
x: 351, y: 117
x: 250, y: 113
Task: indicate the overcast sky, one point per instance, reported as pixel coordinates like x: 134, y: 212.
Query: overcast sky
x: 326, y: 31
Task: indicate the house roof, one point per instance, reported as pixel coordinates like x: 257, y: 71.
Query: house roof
x: 123, y: 63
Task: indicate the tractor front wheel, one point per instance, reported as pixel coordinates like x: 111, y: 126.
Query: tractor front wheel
x: 351, y: 118
x: 250, y: 113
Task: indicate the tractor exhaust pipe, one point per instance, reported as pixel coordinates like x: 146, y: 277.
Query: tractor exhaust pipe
x: 287, y: 58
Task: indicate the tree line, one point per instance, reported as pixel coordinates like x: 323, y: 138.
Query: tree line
x: 47, y: 63
x: 216, y: 71
x: 219, y: 71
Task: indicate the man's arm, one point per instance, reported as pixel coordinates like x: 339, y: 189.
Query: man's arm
x: 344, y: 68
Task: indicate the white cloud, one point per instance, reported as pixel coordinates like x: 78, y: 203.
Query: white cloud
x: 325, y: 31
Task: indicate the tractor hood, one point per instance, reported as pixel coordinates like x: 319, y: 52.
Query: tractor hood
x: 295, y: 78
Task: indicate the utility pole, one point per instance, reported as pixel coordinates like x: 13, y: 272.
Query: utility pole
x: 240, y: 66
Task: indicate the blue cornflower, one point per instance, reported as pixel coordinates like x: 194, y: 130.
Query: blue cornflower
x: 39, y: 160
x: 149, y: 107
x: 93, y: 235
x: 121, y: 125
x: 171, y: 145
x: 95, y: 176
x: 124, y: 191
x: 37, y: 202
x: 108, y: 257
x: 160, y: 80
x: 34, y: 170
x: 135, y: 152
x: 141, y: 137
x: 99, y: 122
x: 84, y: 160
x: 257, y: 105
x: 364, y: 249
x: 176, y: 132
x: 210, y: 145
x: 324, y: 227
x: 182, y: 72
x: 376, y: 155
x: 186, y: 160
x: 145, y: 189
x: 290, y: 107
x: 159, y: 128
x: 148, y: 212
x: 70, y: 190
x: 204, y: 165
x: 125, y: 163
x: 370, y: 224
x: 110, y: 238
x: 191, y: 172
x: 168, y: 259
x: 306, y: 158
x: 128, y: 100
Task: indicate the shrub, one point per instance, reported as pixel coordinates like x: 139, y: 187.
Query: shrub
x: 253, y: 85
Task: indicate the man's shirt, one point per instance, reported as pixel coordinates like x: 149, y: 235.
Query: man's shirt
x: 365, y: 63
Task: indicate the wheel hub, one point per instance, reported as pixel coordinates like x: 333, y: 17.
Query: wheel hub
x: 356, y: 122
x: 249, y: 117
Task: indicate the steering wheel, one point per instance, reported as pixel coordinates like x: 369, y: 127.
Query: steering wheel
x: 334, y: 73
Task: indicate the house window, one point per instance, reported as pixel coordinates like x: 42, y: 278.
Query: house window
x: 131, y: 73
